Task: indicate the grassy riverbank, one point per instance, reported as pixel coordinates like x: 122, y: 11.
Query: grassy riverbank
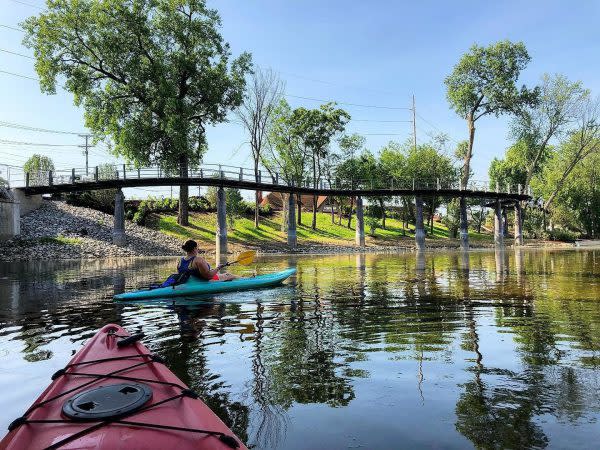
x: 202, y: 228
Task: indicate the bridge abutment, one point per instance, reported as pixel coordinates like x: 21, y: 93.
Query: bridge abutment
x: 10, y: 224
x: 360, y: 223
x: 464, y: 225
x: 419, y: 227
x: 221, y: 235
x: 518, y: 224
x: 498, y: 226
x: 118, y: 236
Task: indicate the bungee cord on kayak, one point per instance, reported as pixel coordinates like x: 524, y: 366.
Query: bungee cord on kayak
x: 111, y: 404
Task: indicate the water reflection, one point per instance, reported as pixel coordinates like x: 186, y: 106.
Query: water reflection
x: 498, y: 348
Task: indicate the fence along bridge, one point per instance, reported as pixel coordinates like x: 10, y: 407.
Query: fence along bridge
x: 224, y: 176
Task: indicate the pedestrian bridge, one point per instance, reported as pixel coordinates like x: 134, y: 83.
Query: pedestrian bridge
x: 224, y: 176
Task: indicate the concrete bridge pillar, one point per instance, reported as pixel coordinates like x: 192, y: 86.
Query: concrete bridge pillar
x: 464, y: 225
x: 419, y: 227
x: 221, y: 237
x: 518, y: 224
x: 360, y: 223
x: 504, y: 222
x: 118, y: 235
x: 498, y: 227
x: 10, y: 224
x: 291, y: 233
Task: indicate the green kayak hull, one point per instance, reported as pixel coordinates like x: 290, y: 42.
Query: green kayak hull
x: 195, y: 286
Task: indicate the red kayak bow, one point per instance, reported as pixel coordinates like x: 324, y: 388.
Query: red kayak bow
x: 115, y: 394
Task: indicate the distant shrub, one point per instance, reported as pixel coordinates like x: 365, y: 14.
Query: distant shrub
x: 373, y: 224
x: 561, y: 235
x: 140, y: 212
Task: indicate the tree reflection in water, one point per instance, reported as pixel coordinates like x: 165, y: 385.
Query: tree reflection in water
x: 518, y: 329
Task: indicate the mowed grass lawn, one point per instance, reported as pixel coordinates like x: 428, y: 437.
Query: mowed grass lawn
x: 203, y: 225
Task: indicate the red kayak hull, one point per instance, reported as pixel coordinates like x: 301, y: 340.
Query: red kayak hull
x: 186, y: 412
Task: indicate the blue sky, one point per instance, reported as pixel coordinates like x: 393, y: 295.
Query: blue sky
x: 372, y: 53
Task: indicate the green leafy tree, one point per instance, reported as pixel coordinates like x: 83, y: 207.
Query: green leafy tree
x: 424, y: 164
x: 348, y: 171
x: 483, y: 83
x: 150, y: 74
x: 512, y: 169
x: 286, y: 153
x: 38, y: 166
x: 579, y: 145
x: 235, y: 205
x: 317, y: 128
x: 535, y: 126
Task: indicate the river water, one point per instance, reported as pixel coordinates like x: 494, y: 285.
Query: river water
x: 444, y: 350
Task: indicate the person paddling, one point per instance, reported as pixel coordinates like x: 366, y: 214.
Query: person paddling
x: 198, y: 266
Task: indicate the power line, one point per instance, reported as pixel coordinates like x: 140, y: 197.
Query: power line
x: 437, y: 128
x: 19, y: 75
x: 12, y: 28
x: 36, y: 144
x: 381, y: 121
x: 17, y: 54
x: 31, y: 128
x: 345, y: 103
x: 27, y: 4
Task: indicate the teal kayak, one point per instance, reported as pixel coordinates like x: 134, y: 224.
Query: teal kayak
x: 195, y: 286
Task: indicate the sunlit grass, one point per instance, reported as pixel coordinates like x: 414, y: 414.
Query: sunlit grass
x: 203, y: 225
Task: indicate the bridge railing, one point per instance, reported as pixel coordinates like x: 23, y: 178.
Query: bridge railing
x: 241, y: 174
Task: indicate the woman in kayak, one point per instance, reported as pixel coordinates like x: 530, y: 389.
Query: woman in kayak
x: 198, y: 265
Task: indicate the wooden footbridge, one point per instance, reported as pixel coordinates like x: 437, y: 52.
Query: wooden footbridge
x: 224, y: 176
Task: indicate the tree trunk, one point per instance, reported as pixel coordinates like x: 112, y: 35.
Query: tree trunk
x: 431, y: 211
x: 314, y: 208
x: 299, y: 203
x: 350, y: 212
x: 340, y: 207
x: 314, y: 200
x: 330, y: 200
x: 182, y: 215
x: 467, y: 160
x: 382, y: 205
x: 256, y: 197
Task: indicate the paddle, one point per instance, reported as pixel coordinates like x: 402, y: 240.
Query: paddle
x: 246, y: 258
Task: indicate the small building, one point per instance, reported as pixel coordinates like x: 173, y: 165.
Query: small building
x: 275, y: 201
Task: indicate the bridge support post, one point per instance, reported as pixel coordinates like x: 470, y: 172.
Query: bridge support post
x: 221, y: 237
x: 118, y: 235
x: 360, y: 223
x: 419, y: 227
x: 464, y: 225
x: 292, y: 239
x: 498, y: 227
x: 518, y: 224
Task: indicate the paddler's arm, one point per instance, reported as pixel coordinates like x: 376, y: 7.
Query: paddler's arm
x: 203, y: 269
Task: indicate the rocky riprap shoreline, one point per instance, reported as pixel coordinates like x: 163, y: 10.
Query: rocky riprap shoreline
x: 60, y: 231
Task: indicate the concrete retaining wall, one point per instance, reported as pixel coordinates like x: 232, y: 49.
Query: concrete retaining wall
x: 28, y: 202
x: 10, y: 225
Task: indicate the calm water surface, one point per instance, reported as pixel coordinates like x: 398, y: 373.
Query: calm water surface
x: 489, y: 350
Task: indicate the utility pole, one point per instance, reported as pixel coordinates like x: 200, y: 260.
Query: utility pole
x: 414, y: 111
x: 86, y: 148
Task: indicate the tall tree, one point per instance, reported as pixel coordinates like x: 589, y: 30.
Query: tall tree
x: 317, y: 128
x: 150, y: 74
x: 558, y: 106
x: 582, y: 142
x: 351, y: 145
x: 286, y: 153
x: 483, y: 83
x: 256, y: 113
x: 38, y: 166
